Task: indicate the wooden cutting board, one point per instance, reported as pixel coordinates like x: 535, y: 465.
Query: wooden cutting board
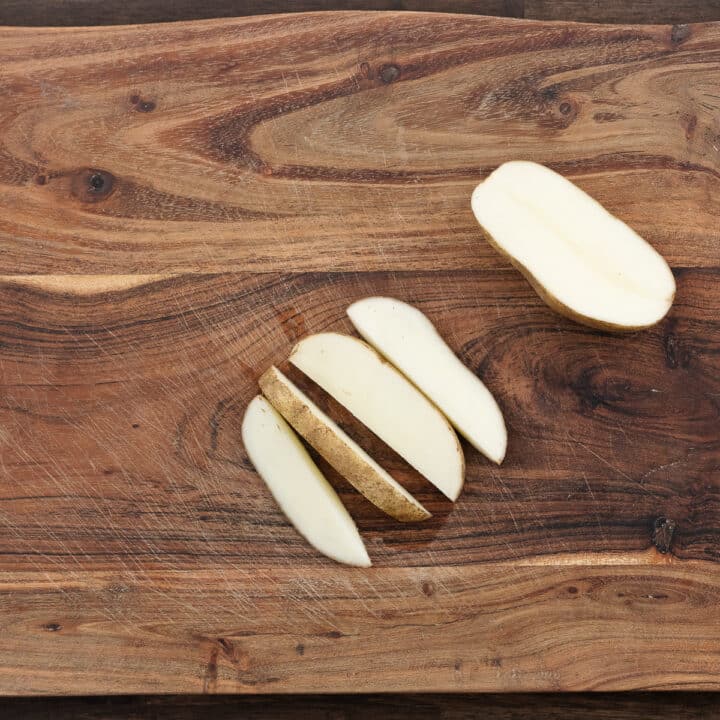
x: 180, y: 203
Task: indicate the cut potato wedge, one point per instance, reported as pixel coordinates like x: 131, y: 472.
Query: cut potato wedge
x: 582, y: 261
x: 303, y: 494
x: 383, y: 400
x: 341, y: 451
x: 411, y: 343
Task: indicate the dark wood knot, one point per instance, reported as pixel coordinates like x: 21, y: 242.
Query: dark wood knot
x: 389, y: 73
x: 676, y: 354
x: 332, y: 634
x: 663, y: 529
x: 679, y: 33
x: 141, y: 105
x: 92, y: 185
x: 567, y: 111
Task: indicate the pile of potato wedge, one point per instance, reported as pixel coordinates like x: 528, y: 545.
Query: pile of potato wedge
x: 409, y: 388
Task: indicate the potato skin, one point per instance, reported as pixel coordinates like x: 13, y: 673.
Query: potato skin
x: 559, y: 307
x: 362, y: 476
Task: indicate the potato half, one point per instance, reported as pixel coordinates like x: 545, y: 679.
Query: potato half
x: 300, y: 489
x: 340, y: 450
x: 583, y: 262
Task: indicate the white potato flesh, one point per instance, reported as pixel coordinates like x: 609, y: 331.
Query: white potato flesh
x: 582, y: 260
x: 411, y: 343
x: 383, y: 400
x: 300, y: 489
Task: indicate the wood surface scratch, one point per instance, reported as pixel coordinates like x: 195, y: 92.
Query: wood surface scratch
x: 622, y: 613
x: 231, y: 157
x: 179, y: 204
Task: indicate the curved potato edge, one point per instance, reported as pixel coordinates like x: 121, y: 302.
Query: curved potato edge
x: 498, y: 460
x: 561, y: 308
x: 359, y: 556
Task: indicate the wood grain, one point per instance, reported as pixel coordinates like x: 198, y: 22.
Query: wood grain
x: 506, y: 627
x: 548, y: 706
x: 119, y: 402
x: 285, y: 138
x: 182, y: 203
x: 120, y: 12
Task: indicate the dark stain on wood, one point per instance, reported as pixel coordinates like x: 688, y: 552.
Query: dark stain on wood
x: 389, y: 73
x: 211, y: 671
x: 603, y: 117
x: 677, y: 353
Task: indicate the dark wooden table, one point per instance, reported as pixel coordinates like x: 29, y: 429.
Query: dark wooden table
x: 118, y: 12
x: 601, y: 706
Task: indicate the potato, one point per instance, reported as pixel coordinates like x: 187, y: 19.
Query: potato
x: 341, y: 451
x: 384, y: 401
x: 583, y: 262
x: 403, y: 335
x: 300, y: 489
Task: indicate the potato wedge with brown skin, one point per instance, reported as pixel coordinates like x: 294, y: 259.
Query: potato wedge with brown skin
x: 340, y: 450
x: 582, y: 261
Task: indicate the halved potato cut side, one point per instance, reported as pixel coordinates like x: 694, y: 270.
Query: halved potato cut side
x: 584, y: 262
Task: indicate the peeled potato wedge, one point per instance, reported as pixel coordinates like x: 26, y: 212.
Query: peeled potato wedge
x: 300, y: 489
x: 385, y: 402
x: 403, y: 335
x: 583, y: 262
x: 341, y: 451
